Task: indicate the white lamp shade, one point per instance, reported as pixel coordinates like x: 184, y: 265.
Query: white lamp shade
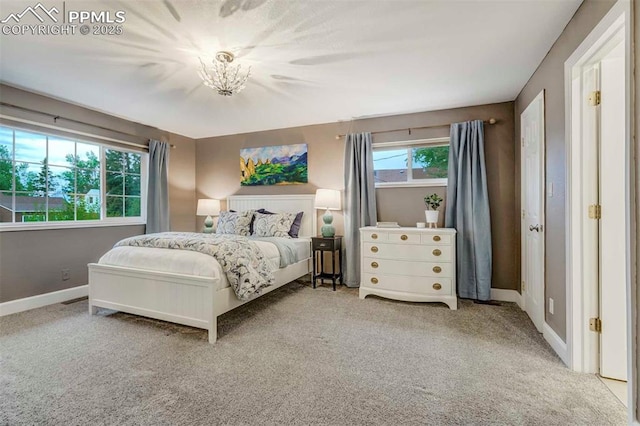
x: 208, y: 207
x: 327, y: 199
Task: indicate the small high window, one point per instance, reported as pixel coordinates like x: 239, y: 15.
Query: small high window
x: 415, y: 163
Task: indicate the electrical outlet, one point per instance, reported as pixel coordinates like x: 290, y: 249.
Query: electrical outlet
x: 551, y: 306
x: 66, y: 274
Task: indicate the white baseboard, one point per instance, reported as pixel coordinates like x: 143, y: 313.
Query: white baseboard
x: 21, y: 305
x: 503, y: 295
x: 556, y: 343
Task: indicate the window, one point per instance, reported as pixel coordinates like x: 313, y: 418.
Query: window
x: 46, y: 178
x: 417, y: 163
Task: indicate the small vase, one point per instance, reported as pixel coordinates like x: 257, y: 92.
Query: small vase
x: 432, y: 218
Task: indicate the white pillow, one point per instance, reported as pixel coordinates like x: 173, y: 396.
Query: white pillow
x: 235, y: 222
x: 273, y: 225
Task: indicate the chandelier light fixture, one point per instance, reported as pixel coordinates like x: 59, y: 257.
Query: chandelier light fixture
x: 223, y: 77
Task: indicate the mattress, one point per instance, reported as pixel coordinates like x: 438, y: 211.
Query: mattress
x: 191, y: 262
x: 303, y: 247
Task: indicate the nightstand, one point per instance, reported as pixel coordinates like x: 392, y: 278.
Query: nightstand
x: 319, y: 245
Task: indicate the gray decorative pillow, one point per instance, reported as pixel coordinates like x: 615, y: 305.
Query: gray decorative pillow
x: 235, y: 222
x: 273, y: 225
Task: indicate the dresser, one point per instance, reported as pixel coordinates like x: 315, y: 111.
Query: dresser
x: 410, y: 264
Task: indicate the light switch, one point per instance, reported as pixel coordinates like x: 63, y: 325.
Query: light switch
x: 550, y: 189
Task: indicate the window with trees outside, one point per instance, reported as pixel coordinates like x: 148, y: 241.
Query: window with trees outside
x: 46, y: 178
x: 416, y: 163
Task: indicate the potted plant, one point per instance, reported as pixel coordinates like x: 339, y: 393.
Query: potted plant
x: 432, y: 202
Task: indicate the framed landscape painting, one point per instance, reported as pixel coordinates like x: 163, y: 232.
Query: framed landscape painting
x: 273, y: 165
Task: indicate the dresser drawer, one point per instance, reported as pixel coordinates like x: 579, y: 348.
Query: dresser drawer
x: 419, y: 285
x: 374, y: 236
x: 407, y: 252
x: 403, y: 267
x: 436, y: 239
x: 404, y: 238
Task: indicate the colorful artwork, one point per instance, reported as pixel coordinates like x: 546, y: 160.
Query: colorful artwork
x: 273, y: 165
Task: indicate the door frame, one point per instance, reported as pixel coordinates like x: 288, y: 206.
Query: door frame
x: 539, y: 99
x: 580, y: 301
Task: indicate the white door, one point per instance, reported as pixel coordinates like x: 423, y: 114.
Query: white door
x: 613, y: 313
x: 591, y: 196
x: 532, y: 163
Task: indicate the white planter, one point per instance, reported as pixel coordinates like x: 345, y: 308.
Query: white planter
x: 432, y: 217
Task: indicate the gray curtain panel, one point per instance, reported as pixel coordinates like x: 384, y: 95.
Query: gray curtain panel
x: 158, y: 193
x: 468, y: 209
x: 359, y: 200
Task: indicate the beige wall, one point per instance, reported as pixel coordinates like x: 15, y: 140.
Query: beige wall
x: 218, y: 170
x: 550, y: 77
x: 182, y: 183
x: 218, y: 174
x: 31, y: 261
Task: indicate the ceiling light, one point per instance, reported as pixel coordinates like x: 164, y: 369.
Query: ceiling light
x: 223, y: 77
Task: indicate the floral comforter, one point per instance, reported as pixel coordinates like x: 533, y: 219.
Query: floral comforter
x: 241, y: 260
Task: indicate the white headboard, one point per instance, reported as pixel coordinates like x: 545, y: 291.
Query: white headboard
x: 281, y: 204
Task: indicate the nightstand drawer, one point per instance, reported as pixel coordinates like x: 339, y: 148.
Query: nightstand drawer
x: 402, y: 267
x: 416, y: 285
x: 374, y: 236
x: 436, y: 239
x: 407, y: 252
x: 324, y: 244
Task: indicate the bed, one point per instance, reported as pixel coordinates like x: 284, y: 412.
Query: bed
x: 175, y: 289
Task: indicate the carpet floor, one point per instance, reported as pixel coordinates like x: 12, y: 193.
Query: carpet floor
x: 294, y: 356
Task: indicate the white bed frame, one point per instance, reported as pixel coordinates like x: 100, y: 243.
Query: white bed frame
x: 188, y: 299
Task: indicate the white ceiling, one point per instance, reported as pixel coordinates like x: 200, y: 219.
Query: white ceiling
x: 313, y: 61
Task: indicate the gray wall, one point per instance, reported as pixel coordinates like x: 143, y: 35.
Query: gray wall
x: 218, y: 173
x: 550, y: 77
x: 31, y: 261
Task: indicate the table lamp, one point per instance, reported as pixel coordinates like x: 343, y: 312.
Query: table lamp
x: 328, y: 199
x: 208, y: 208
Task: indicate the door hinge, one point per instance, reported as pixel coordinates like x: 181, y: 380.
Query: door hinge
x: 594, y: 98
x: 595, y: 324
x: 522, y: 287
x: 523, y: 214
x: 595, y: 211
x: 522, y: 141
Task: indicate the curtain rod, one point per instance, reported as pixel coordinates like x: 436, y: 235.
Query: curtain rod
x: 409, y: 129
x: 58, y: 117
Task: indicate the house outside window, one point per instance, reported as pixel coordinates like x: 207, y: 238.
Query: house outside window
x: 413, y: 163
x: 47, y: 179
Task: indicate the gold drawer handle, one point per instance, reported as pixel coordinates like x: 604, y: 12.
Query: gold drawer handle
x: 437, y: 252
x: 374, y: 280
x: 437, y: 286
x: 437, y: 269
x: 436, y: 238
x: 374, y: 236
x: 403, y: 237
x: 374, y: 264
x: 374, y: 249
